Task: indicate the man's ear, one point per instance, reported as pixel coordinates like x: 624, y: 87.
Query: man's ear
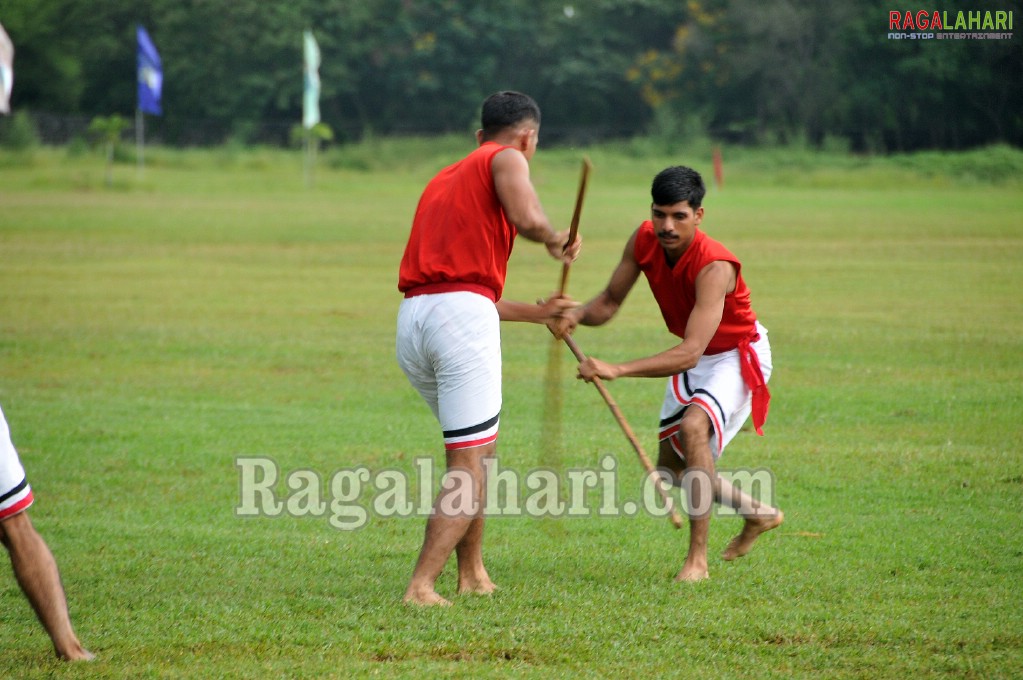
x: 479, y: 137
x: 523, y: 139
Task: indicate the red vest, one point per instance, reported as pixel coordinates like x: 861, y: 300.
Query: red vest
x: 674, y: 288
x: 460, y: 239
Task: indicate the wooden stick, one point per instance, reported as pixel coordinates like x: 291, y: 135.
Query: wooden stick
x: 574, y: 228
x: 676, y: 517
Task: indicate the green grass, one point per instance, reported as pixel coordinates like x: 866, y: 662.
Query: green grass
x: 154, y: 331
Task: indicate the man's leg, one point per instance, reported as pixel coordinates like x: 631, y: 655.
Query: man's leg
x: 447, y: 531
x: 758, y: 518
x: 37, y: 574
x: 472, y: 575
x: 694, y: 434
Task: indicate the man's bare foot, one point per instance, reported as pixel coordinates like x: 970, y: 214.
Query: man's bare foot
x: 691, y: 575
x: 751, y: 530
x: 428, y: 598
x: 693, y: 570
x: 77, y: 653
x: 476, y: 586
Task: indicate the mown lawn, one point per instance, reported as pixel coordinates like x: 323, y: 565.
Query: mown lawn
x: 155, y: 332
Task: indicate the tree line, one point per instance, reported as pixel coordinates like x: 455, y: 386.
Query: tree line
x: 742, y: 71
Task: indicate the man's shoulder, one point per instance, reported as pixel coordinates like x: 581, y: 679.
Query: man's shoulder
x: 473, y: 163
x: 643, y: 241
x: 709, y: 244
x: 507, y: 158
x: 644, y: 233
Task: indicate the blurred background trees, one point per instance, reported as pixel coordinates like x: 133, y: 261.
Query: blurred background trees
x: 741, y: 71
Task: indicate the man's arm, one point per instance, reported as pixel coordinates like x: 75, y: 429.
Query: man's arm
x: 715, y: 281
x: 522, y: 206
x: 605, y: 304
x: 543, y: 311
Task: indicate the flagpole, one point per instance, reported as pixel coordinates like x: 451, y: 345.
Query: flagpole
x: 140, y: 141
x: 308, y: 169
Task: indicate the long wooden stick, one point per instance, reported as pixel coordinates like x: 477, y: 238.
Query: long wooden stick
x: 573, y: 230
x: 676, y: 517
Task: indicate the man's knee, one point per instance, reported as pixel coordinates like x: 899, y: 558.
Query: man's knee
x: 695, y: 436
x: 695, y: 426
x: 472, y: 461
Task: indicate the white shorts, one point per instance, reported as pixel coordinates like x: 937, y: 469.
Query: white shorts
x: 449, y: 346
x: 15, y: 493
x: 715, y: 385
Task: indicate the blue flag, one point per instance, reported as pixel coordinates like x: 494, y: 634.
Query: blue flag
x: 150, y: 74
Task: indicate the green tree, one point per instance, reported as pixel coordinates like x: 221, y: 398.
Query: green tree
x: 48, y: 72
x: 745, y: 70
x: 107, y: 131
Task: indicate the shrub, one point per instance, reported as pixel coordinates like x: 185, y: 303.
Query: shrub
x: 18, y: 133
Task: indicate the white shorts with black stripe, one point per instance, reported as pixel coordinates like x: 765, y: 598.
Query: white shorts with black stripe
x: 449, y: 346
x: 15, y: 493
x: 715, y: 385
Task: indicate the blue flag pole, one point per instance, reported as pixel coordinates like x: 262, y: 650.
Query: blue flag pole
x: 140, y: 141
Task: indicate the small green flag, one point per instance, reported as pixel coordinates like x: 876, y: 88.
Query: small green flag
x: 311, y: 90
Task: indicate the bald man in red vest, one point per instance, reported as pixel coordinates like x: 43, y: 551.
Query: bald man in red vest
x: 720, y: 367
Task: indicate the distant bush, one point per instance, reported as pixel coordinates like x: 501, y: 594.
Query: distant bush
x: 997, y: 164
x: 18, y: 133
x: 107, y: 132
x: 400, y: 153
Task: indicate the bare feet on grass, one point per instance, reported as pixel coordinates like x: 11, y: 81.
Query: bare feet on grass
x: 425, y: 598
x: 692, y: 571
x: 77, y: 653
x: 751, y: 530
x: 476, y: 585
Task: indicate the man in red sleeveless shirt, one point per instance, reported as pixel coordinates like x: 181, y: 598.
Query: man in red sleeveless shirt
x: 448, y: 342
x: 721, y: 366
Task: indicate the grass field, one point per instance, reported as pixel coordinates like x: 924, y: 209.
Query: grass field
x: 157, y: 330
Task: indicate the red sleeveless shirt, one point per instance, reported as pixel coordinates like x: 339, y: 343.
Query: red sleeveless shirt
x: 674, y: 288
x: 460, y: 238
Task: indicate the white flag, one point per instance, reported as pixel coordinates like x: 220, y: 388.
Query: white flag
x: 6, y: 70
x: 311, y: 89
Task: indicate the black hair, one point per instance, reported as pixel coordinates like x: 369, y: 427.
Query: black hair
x: 676, y: 184
x: 505, y: 109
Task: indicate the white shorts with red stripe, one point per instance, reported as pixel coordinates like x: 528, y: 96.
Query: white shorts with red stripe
x: 715, y: 385
x: 449, y: 346
x: 15, y: 493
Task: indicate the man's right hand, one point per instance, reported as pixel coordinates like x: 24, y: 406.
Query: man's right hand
x: 590, y: 368
x: 559, y: 248
x: 566, y: 323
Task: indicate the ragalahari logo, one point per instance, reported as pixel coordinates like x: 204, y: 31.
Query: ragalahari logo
x: 943, y: 25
